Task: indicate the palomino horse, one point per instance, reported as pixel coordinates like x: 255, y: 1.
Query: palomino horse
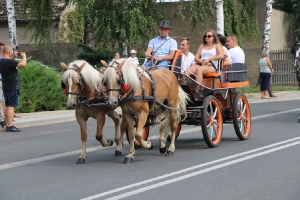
x: 157, y: 94
x: 84, y: 86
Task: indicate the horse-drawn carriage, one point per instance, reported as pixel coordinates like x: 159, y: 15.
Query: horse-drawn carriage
x: 165, y: 97
x: 213, y: 103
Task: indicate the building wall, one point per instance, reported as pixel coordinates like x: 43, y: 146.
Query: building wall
x: 21, y: 28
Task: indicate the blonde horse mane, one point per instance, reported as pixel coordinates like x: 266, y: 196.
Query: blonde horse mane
x: 130, y: 73
x: 91, y: 76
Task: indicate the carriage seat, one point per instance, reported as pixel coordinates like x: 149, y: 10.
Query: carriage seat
x: 236, y: 72
x: 217, y: 73
x: 176, y: 62
x: 212, y: 74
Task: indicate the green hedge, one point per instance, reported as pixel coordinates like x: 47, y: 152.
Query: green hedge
x: 40, y: 89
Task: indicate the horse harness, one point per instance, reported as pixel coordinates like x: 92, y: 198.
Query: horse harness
x: 125, y: 95
x: 83, y: 99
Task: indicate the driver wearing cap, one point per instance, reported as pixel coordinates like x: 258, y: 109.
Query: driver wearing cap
x: 162, y: 48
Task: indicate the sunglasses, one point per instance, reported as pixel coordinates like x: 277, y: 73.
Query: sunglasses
x: 207, y: 36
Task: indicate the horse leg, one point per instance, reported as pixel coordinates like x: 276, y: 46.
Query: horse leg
x: 162, y: 140
x: 99, y: 133
x: 127, y: 124
x: 82, y: 123
x: 119, y: 140
x: 173, y: 124
x: 142, y: 119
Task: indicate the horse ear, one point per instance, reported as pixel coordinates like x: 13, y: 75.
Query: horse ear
x: 120, y: 65
x: 64, y: 66
x: 78, y: 70
x: 104, y: 63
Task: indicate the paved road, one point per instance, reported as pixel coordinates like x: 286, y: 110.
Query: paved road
x: 39, y: 163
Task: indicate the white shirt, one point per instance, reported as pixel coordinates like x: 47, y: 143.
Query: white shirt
x: 226, y: 52
x: 187, y: 61
x: 237, y: 55
x: 134, y: 60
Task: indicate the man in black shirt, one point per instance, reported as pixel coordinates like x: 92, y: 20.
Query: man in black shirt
x: 11, y: 85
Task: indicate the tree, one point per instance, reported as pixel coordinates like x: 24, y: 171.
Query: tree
x: 240, y: 16
x: 112, y: 22
x: 12, y: 24
x: 267, y: 29
x: 220, y: 16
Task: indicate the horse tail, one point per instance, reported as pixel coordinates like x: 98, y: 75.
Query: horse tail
x: 183, y: 97
x: 164, y: 119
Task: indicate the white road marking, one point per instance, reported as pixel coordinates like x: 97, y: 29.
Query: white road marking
x: 77, y: 152
x: 192, y: 174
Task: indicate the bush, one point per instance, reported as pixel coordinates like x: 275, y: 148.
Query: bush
x: 40, y: 89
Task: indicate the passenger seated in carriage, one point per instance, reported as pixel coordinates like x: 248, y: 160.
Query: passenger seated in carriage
x: 207, y: 56
x: 162, y: 48
x: 187, y: 58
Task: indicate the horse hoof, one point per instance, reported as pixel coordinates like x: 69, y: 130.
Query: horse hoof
x: 118, y: 153
x: 151, y: 146
x: 162, y: 150
x: 128, y: 160
x: 170, y: 153
x: 80, y: 161
x: 110, y: 142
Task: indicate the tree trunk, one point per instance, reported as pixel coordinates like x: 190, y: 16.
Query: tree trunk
x: 220, y: 17
x: 267, y: 29
x: 12, y: 30
x: 124, y: 46
x: 87, y: 36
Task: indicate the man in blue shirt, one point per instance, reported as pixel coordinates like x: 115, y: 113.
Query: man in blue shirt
x: 162, y: 48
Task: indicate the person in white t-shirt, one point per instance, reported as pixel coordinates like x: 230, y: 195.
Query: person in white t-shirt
x: 187, y: 58
x: 237, y: 54
x: 133, y: 59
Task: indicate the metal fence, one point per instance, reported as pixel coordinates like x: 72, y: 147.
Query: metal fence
x: 282, y: 61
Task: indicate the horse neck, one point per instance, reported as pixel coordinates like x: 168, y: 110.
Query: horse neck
x: 87, y: 92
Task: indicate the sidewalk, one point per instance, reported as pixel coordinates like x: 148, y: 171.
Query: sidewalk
x: 52, y: 117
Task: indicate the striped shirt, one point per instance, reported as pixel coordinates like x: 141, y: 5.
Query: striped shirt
x: 263, y: 65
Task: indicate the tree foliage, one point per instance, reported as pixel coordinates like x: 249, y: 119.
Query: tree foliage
x: 293, y: 7
x: 72, y: 29
x: 110, y: 21
x: 114, y: 22
x: 240, y: 16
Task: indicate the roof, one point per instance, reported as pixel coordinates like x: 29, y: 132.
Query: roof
x: 20, y: 16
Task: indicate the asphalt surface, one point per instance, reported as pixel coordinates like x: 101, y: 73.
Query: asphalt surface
x: 39, y: 162
x: 51, y: 117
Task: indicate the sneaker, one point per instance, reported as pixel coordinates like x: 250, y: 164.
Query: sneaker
x: 273, y: 95
x: 12, y: 129
x: 3, y: 124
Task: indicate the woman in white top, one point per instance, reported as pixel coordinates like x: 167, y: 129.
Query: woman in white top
x: 209, y: 50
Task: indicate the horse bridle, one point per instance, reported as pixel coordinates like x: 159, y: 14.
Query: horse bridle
x: 121, y: 81
x: 78, y: 84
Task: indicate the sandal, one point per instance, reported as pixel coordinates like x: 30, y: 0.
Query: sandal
x: 17, y: 115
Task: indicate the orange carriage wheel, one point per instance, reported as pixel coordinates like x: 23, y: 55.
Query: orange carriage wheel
x: 176, y: 133
x: 145, y: 134
x: 241, y: 116
x: 211, y: 121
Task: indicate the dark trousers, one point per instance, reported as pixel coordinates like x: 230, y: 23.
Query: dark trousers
x: 264, y: 81
x: 270, y: 85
